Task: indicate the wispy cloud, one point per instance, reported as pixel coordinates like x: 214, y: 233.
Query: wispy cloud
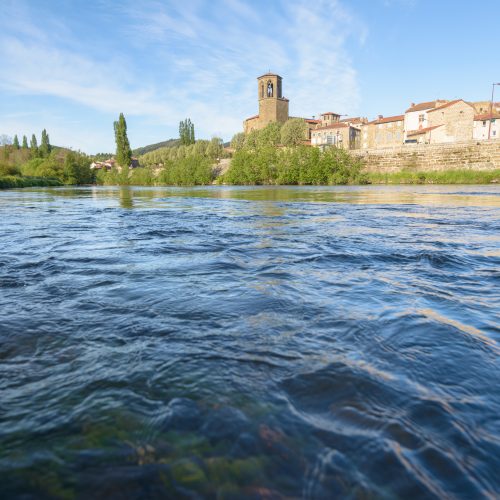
x: 190, y: 59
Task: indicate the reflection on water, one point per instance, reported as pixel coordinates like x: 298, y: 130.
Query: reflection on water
x: 246, y: 342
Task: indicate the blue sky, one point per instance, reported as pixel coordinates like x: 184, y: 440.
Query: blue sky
x: 72, y: 66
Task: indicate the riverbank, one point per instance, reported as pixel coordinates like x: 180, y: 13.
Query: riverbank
x: 12, y: 181
x: 458, y: 176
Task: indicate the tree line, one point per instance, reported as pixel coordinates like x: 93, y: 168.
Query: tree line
x: 42, y: 151
x: 277, y: 155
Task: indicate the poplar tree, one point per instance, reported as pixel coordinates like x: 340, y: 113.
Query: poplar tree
x: 123, y: 151
x: 33, y: 146
x: 45, y: 147
x: 186, y: 132
x: 25, y: 142
x: 16, y: 142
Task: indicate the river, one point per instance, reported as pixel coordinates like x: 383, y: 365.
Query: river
x: 250, y: 342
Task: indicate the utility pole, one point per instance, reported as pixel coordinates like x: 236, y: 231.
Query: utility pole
x: 491, y: 107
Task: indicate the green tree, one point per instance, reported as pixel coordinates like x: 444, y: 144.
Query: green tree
x: 25, y: 142
x: 238, y: 141
x: 186, y: 132
x: 293, y: 132
x: 123, y: 151
x: 45, y: 146
x: 34, y: 146
x: 270, y: 135
x: 76, y: 169
x: 214, y: 148
x: 16, y: 142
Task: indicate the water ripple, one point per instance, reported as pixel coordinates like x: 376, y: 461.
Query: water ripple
x: 250, y: 342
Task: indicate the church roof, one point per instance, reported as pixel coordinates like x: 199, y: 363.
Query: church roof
x: 268, y: 74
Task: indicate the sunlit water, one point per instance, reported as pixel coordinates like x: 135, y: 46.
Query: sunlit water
x: 250, y: 343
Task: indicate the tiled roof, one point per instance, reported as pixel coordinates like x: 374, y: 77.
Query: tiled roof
x: 268, y: 74
x: 329, y: 113
x: 486, y: 116
x: 357, y: 119
x: 388, y: 119
x: 252, y: 118
x: 451, y: 103
x: 421, y: 131
x: 312, y: 120
x: 335, y: 125
x: 421, y: 106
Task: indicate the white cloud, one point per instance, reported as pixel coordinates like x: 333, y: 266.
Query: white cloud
x: 205, y: 66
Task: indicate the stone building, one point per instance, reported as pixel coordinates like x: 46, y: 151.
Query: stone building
x: 273, y: 107
x: 416, y: 119
x: 332, y: 131
x: 483, y: 107
x: 384, y: 132
x: 453, y: 121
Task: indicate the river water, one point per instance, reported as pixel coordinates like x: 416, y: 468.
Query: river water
x: 250, y: 342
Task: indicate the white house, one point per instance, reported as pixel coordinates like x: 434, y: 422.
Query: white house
x: 416, y: 117
x: 482, y: 126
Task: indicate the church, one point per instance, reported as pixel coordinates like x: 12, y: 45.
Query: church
x: 273, y: 107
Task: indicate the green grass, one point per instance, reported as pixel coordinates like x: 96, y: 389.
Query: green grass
x: 12, y: 181
x: 459, y: 176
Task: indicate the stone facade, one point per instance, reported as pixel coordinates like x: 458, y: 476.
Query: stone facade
x: 416, y: 117
x: 273, y: 107
x: 471, y: 155
x: 341, y: 135
x: 383, y: 132
x: 452, y: 122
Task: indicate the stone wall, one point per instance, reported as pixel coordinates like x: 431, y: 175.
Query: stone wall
x: 483, y: 155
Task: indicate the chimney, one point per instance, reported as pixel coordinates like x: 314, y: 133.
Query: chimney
x: 412, y: 104
x: 380, y: 117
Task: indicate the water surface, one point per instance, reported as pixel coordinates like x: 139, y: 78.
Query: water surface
x: 250, y: 342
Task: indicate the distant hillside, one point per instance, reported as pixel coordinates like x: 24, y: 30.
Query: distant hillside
x: 147, y: 149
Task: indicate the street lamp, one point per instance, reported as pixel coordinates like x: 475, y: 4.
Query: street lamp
x: 491, y: 107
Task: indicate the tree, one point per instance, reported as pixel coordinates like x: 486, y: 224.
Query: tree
x: 123, y: 151
x: 25, y: 142
x: 45, y: 146
x: 16, y: 142
x: 238, y: 141
x: 293, y: 132
x: 77, y: 169
x: 214, y: 148
x: 270, y: 135
x: 34, y: 146
x: 186, y: 132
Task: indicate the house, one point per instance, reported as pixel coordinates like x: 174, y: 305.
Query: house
x: 483, y: 107
x: 486, y: 126
x: 453, y: 122
x: 384, y: 132
x: 415, y: 117
x: 339, y: 134
x: 110, y: 163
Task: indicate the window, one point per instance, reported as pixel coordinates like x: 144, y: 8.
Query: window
x: 421, y: 118
x: 493, y: 120
x: 494, y: 132
x: 484, y: 123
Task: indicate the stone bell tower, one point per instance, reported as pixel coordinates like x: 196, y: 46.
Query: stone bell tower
x: 273, y: 107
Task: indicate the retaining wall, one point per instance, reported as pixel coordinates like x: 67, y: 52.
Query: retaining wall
x: 480, y: 155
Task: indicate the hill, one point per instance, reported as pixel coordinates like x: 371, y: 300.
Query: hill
x: 147, y: 149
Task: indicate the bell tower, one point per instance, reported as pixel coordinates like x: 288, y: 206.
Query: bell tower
x: 273, y: 107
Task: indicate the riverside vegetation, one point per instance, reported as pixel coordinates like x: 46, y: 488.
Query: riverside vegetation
x: 275, y: 155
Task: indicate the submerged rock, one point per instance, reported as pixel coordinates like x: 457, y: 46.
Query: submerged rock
x: 225, y: 423
x: 245, y: 445
x: 182, y: 414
